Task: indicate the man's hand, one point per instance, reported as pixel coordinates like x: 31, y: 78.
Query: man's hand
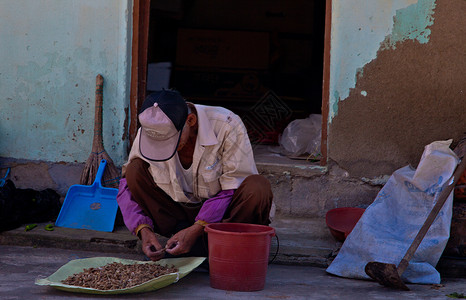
x: 184, y: 240
x: 150, y: 245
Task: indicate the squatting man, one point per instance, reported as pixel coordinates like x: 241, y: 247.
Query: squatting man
x: 190, y: 165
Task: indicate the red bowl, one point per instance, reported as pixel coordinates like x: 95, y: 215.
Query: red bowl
x: 342, y: 220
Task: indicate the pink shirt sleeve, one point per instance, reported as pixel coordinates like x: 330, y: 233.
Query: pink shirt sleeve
x: 214, y: 208
x: 133, y: 216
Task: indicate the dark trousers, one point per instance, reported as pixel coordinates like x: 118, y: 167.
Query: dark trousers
x: 251, y: 202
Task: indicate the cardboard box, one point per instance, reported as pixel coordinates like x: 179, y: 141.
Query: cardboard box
x: 158, y: 76
x: 295, y: 56
x: 283, y: 16
x: 220, y: 83
x: 222, y: 49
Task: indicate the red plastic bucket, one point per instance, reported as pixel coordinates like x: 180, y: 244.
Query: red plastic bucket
x: 238, y: 255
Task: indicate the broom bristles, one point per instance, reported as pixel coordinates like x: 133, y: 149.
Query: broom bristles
x: 111, y: 176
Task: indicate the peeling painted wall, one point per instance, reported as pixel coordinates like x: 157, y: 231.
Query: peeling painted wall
x: 397, y: 81
x: 51, y: 52
x: 358, y: 31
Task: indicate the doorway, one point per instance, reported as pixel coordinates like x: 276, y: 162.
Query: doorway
x: 246, y: 56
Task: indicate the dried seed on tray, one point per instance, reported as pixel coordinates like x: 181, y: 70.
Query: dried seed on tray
x: 115, y: 276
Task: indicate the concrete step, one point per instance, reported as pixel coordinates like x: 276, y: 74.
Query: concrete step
x: 302, y: 241
x: 295, y: 241
x: 297, y: 244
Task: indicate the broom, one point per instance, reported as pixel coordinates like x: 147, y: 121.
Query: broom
x: 111, y: 174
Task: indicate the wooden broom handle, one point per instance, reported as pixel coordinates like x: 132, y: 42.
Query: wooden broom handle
x: 97, y: 143
x: 443, y: 196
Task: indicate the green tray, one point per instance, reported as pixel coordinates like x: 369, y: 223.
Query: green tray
x: 185, y: 265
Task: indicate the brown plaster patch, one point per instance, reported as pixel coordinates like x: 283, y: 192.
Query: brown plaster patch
x: 416, y: 94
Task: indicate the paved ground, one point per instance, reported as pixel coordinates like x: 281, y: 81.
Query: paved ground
x: 20, y: 266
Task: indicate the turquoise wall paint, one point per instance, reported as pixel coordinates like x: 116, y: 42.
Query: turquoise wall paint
x: 360, y: 28
x: 411, y: 23
x: 51, y: 52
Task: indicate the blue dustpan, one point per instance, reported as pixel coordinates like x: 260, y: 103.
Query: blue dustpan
x: 89, y: 206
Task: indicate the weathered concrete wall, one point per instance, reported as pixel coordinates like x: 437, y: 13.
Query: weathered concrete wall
x: 306, y: 194
x: 398, y: 81
x: 40, y: 175
x: 312, y: 195
x: 51, y: 52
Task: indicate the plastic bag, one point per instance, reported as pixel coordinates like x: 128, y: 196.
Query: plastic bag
x: 388, y: 226
x: 20, y: 206
x: 302, y: 136
x: 10, y: 214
